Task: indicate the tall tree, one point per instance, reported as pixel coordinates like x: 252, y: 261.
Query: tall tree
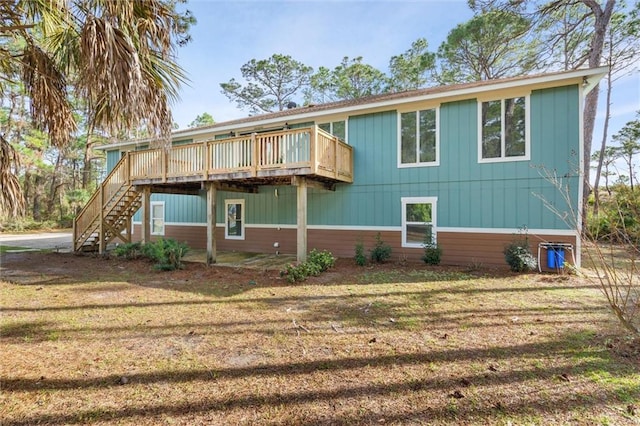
x: 119, y: 56
x: 493, y: 44
x: 204, y: 119
x: 351, y: 79
x: 622, y: 47
x: 628, y: 140
x: 271, y: 83
x: 410, y: 70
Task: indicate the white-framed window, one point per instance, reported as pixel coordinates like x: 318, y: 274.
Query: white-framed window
x: 157, y: 218
x: 503, y: 133
x: 234, y: 219
x: 419, y: 138
x: 336, y: 128
x: 419, y: 221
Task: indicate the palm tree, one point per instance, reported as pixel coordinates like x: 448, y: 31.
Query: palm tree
x: 119, y: 56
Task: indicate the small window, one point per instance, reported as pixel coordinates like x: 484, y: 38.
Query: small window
x: 418, y: 221
x: 336, y: 128
x: 157, y: 218
x: 234, y: 224
x: 418, y: 138
x: 504, y: 130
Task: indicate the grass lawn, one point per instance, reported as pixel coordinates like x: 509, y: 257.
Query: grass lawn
x: 86, y: 340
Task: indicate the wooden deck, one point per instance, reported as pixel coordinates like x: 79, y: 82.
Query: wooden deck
x: 265, y: 158
x: 300, y: 157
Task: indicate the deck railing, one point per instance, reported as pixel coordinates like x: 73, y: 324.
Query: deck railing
x: 312, y: 148
x: 94, y: 208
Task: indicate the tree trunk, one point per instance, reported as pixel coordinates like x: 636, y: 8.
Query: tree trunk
x: 602, y: 19
x: 603, y: 144
x: 55, y: 183
x: 36, y: 211
x: 87, y: 166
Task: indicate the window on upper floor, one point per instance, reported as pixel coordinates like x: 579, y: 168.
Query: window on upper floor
x: 418, y: 221
x: 157, y: 218
x: 234, y: 222
x: 336, y: 128
x: 503, y: 133
x: 419, y: 138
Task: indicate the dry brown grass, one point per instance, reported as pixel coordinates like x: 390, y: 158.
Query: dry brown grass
x: 93, y: 341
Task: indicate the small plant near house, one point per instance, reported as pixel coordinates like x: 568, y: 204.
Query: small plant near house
x: 381, y: 251
x: 360, y: 257
x: 519, y: 256
x: 432, y: 252
x: 316, y: 263
x: 166, y: 253
x: 129, y: 251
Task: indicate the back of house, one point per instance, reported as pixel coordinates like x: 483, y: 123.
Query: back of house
x: 469, y: 167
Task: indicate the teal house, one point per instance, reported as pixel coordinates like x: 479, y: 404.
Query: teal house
x: 466, y: 166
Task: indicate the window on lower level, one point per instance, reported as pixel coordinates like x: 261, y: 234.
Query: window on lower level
x: 157, y: 218
x: 336, y: 128
x: 234, y: 222
x: 503, y: 130
x: 418, y: 221
x: 418, y: 138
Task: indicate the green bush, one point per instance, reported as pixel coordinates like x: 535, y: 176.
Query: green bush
x: 381, y: 252
x: 618, y: 220
x: 129, y: 250
x: 316, y: 263
x: 519, y: 257
x: 166, y: 253
x: 361, y: 259
x: 432, y: 253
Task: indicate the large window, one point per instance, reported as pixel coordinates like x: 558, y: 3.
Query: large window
x: 418, y: 138
x: 418, y: 221
x: 234, y: 222
x: 157, y: 218
x: 503, y: 130
x: 336, y: 128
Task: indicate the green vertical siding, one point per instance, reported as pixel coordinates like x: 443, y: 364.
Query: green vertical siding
x: 470, y: 194
x: 112, y: 159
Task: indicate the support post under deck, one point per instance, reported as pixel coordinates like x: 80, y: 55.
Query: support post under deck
x: 301, y: 184
x: 211, y: 223
x: 146, y: 215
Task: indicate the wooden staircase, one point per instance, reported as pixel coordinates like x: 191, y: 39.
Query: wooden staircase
x: 108, y: 213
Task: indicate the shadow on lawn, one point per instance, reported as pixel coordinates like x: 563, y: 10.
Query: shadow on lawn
x: 592, y: 362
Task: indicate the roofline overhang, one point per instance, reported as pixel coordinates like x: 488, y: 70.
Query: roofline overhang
x: 590, y: 78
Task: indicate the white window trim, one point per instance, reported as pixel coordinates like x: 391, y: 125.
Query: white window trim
x: 402, y: 165
x: 151, y: 217
x: 226, y: 219
x: 527, y: 130
x: 346, y: 128
x: 434, y: 218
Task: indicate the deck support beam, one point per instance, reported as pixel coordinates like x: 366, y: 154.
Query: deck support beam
x: 146, y: 215
x: 211, y: 223
x: 301, y: 183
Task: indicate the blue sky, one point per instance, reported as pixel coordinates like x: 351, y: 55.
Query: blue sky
x: 320, y: 33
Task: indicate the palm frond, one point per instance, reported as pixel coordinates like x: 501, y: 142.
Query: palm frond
x: 47, y: 89
x: 12, y: 201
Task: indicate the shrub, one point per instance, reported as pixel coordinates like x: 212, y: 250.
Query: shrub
x: 167, y: 253
x: 128, y: 250
x: 432, y: 254
x: 381, y: 251
x: 519, y: 257
x: 323, y: 258
x: 316, y: 263
x: 361, y: 259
